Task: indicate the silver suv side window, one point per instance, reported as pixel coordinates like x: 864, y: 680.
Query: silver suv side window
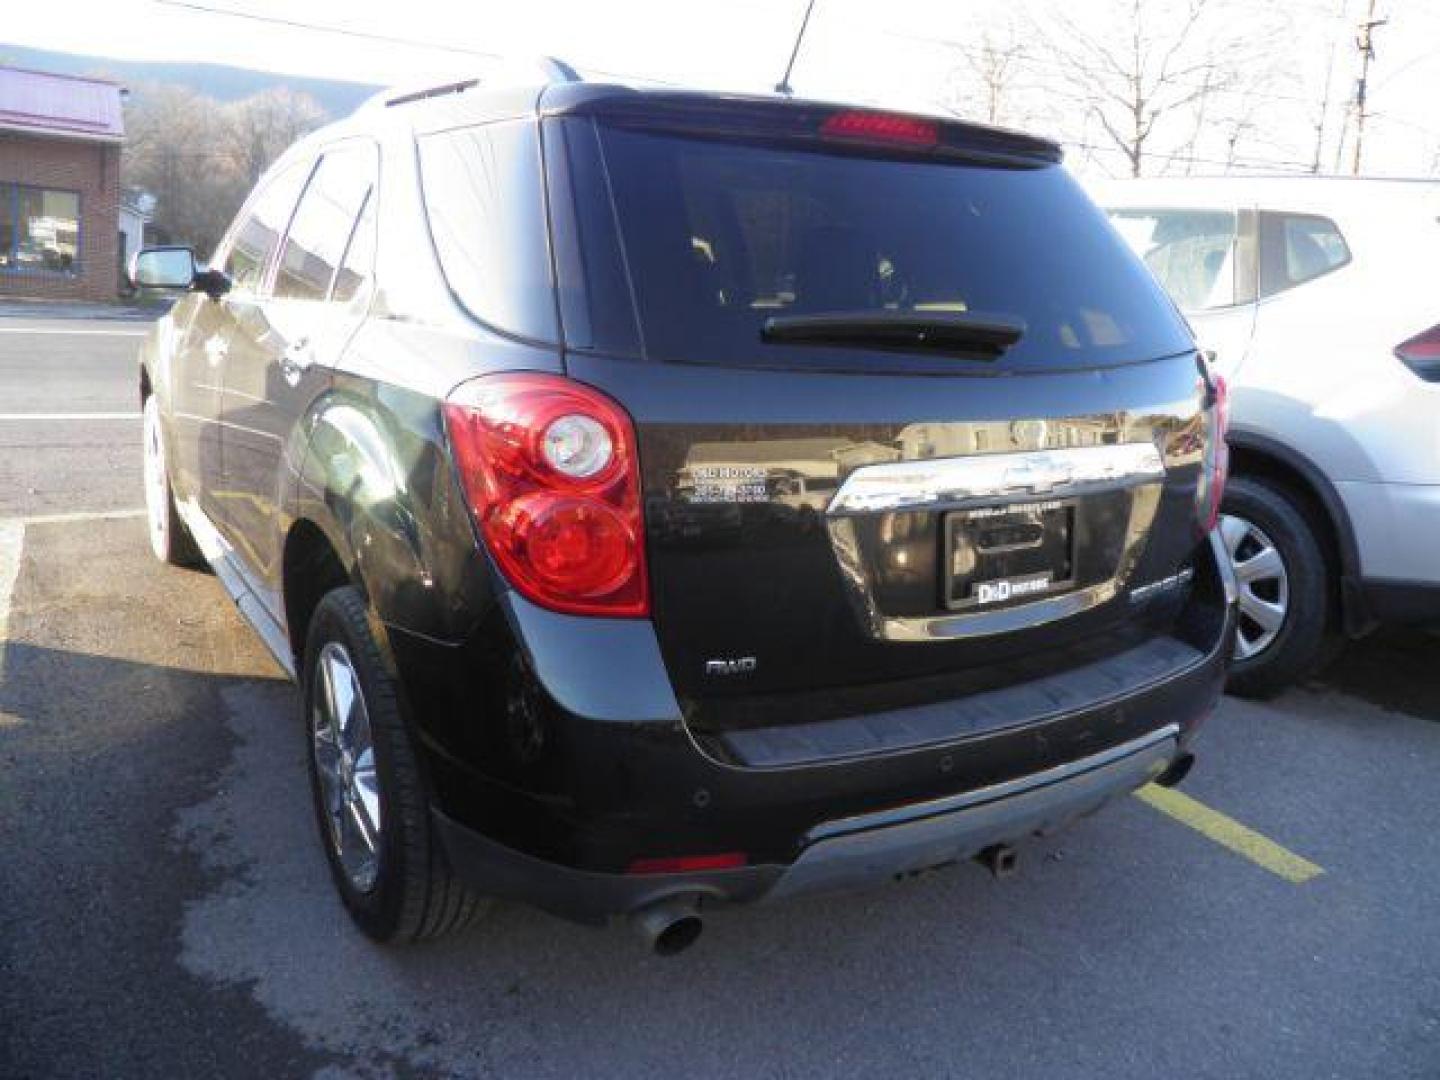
x: 1295, y: 248
x: 1192, y: 253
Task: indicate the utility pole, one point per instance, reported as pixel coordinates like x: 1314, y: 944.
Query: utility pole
x: 1365, y: 42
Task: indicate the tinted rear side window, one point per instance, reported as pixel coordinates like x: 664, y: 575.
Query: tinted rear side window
x: 1295, y: 248
x: 718, y: 236
x: 359, y: 262
x: 323, y: 223
x: 255, y: 237
x: 485, y: 201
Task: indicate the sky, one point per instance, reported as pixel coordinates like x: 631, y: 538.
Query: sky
x: 901, y: 53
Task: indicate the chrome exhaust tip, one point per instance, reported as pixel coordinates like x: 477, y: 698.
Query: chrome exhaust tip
x: 1001, y: 860
x: 670, y: 926
x: 1177, y: 771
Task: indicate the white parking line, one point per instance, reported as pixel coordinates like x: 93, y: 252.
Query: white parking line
x: 20, y: 417
x: 58, y: 330
x: 86, y: 515
x: 12, y: 544
x: 12, y: 540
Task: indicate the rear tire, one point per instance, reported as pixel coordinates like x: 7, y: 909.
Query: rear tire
x: 170, y: 540
x: 1286, y: 609
x: 370, y: 801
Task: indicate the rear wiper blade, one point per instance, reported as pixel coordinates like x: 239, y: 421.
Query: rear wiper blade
x: 971, y: 333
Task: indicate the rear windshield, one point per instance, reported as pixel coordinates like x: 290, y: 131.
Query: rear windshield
x: 717, y: 236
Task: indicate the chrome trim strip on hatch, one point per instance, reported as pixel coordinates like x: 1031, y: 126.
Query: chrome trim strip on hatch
x: 958, y: 482
x: 952, y: 482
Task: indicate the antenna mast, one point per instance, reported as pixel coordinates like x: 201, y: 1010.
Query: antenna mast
x: 783, y: 86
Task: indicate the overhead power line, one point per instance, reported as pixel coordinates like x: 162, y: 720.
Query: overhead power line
x: 1251, y: 163
x: 1035, y: 61
x: 343, y: 31
x: 1053, y: 65
x: 383, y: 39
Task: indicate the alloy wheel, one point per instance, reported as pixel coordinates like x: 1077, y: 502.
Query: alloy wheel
x: 344, y: 752
x: 1264, y: 585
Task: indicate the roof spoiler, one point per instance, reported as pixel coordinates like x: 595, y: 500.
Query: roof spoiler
x: 777, y: 117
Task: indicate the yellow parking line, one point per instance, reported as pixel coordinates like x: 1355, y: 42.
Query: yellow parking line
x: 1229, y: 833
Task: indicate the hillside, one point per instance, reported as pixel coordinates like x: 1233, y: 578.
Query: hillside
x: 215, y: 80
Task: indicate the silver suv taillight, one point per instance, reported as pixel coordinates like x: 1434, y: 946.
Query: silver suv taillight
x: 1421, y: 354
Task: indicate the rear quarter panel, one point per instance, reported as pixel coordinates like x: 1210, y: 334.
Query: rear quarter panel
x: 376, y: 475
x: 1323, y: 376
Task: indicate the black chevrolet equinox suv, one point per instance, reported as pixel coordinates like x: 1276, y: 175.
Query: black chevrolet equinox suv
x: 667, y: 499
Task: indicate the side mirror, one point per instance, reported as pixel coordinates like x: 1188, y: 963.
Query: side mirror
x: 163, y: 268
x: 175, y: 268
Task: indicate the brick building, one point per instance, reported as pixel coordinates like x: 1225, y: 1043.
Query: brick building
x: 60, y: 142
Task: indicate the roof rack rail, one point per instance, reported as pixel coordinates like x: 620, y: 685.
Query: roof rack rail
x: 550, y: 69
x: 431, y: 92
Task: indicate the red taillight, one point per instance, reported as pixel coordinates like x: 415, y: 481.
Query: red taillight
x: 1217, y: 453
x: 553, y: 480
x: 880, y: 127
x: 688, y: 864
x: 1421, y: 354
x: 1222, y: 405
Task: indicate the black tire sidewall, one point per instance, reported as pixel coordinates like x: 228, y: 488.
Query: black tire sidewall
x: 340, y: 617
x: 1301, y: 643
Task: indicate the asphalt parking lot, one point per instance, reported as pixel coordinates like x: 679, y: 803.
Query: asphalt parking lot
x: 165, y: 911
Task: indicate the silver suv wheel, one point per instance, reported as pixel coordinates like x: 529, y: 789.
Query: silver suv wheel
x: 1264, y: 585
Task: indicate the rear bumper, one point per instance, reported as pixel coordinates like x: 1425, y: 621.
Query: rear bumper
x: 889, y: 844
x: 848, y: 853
x: 550, y: 794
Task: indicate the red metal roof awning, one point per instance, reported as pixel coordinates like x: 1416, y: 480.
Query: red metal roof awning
x: 60, y: 105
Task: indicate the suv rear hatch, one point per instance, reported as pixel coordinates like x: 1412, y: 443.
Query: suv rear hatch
x: 913, y: 422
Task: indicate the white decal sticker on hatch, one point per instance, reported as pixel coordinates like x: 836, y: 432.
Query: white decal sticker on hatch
x: 725, y: 484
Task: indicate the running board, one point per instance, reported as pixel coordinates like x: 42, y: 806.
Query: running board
x: 221, y: 557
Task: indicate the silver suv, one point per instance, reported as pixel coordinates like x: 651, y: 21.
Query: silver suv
x: 1317, y: 297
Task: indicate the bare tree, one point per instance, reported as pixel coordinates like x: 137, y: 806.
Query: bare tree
x: 1142, y: 67
x: 200, y: 158
x: 175, y: 149
x: 261, y: 126
x: 984, y: 84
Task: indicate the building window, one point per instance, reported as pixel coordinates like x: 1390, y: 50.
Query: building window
x: 39, y: 230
